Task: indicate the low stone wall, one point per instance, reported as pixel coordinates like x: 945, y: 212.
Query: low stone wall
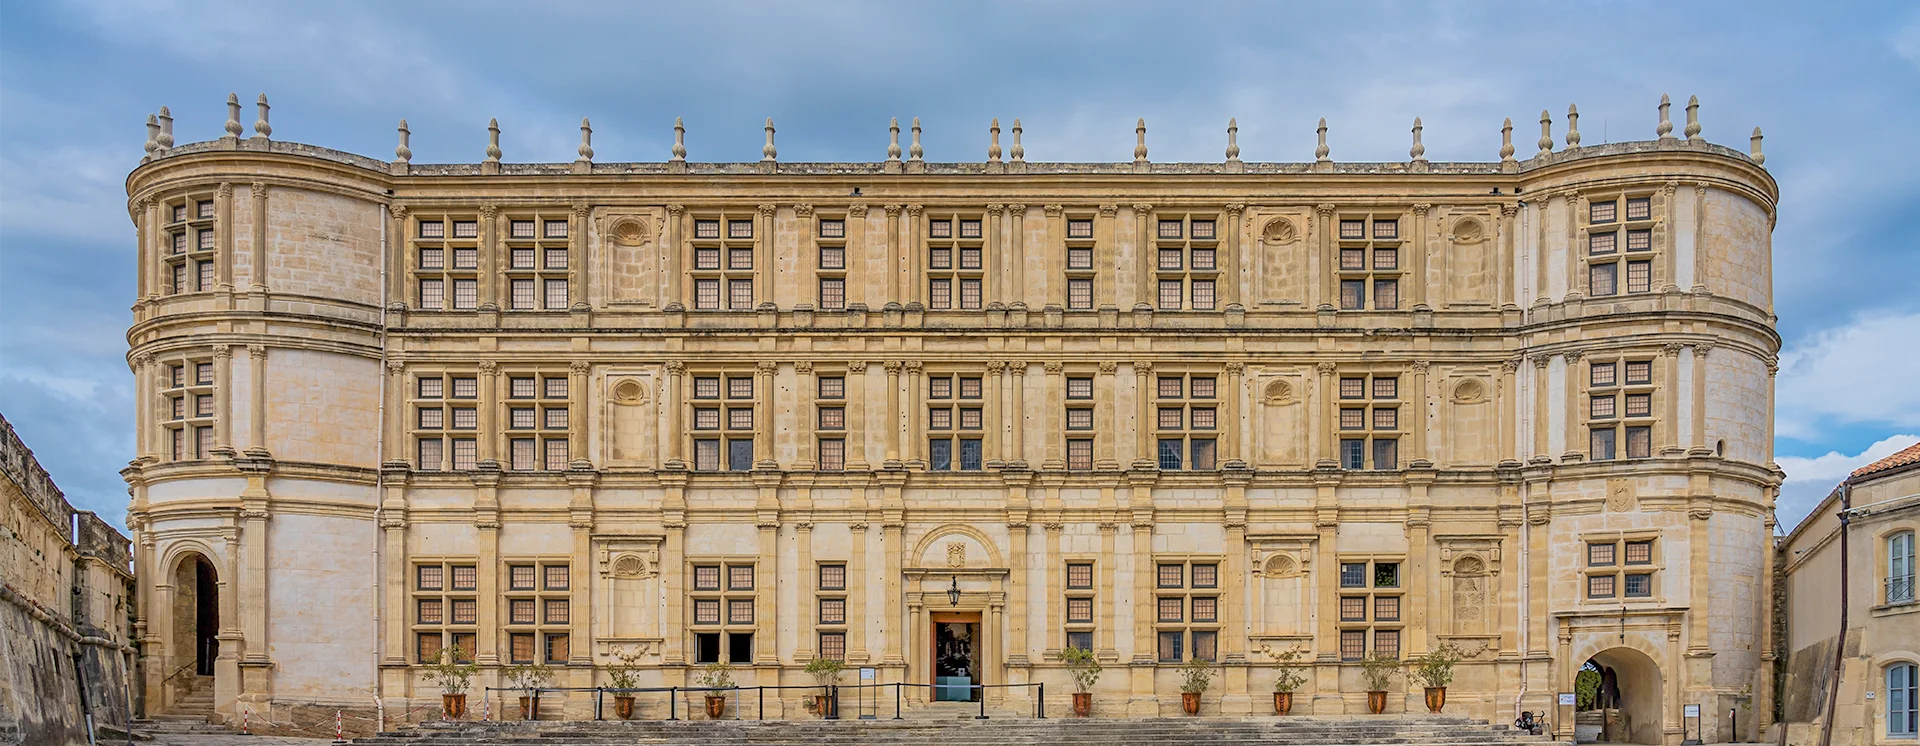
x: 47, y: 663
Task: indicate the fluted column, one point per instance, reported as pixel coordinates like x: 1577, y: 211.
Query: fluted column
x: 996, y: 255
x: 1105, y: 259
x: 1143, y: 457
x: 1329, y: 443
x: 809, y: 577
x: 257, y: 406
x: 857, y: 582
x: 1056, y: 601
x: 673, y: 252
x: 1229, y: 421
x: 223, y: 229
x: 1540, y: 363
x: 1575, y: 415
x: 1105, y: 435
x: 763, y: 417
x: 1666, y: 433
x: 1056, y: 393
x: 893, y: 414
x: 674, y: 402
x: 1233, y: 265
x: 1421, y: 423
x: 579, y: 401
x: 1701, y: 444
x: 489, y: 401
x: 258, y: 196
x: 763, y: 270
x: 998, y: 423
x: 1016, y: 254
x: 222, y: 387
x: 1419, y: 278
x: 916, y: 283
x: 1108, y: 599
x: 1143, y: 253
x: 490, y: 276
x: 916, y: 446
x: 1509, y: 423
x: 1018, y: 416
x: 894, y: 261
x: 857, y: 415
x: 806, y: 417
x: 1321, y: 263
x: 1054, y: 249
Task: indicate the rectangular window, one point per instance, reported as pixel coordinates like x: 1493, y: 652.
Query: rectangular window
x: 429, y: 611
x: 1170, y: 295
x: 740, y: 455
x: 1172, y: 609
x: 833, y: 645
x: 1639, y: 585
x: 1386, y: 418
x: 1353, y: 229
x: 1203, y: 454
x: 1599, y: 244
x: 1600, y: 555
x: 1079, y: 257
x: 1600, y: 586
x: 465, y: 578
x: 555, y: 611
x: 1353, y: 608
x: 1640, y: 240
x: 833, y: 611
x: 1386, y: 643
x: 1353, y: 295
x: 1079, y: 575
x: 833, y: 418
x: 970, y: 294
x: 1171, y: 576
x: 1081, y: 639
x: 466, y: 294
x: 520, y: 611
x: 833, y: 293
x: 1639, y: 208
x: 940, y: 455
x: 1601, y: 212
x: 1206, y: 609
x: 521, y: 454
x: 706, y: 611
x: 740, y: 295
x: 1170, y: 259
x: 1202, y: 295
x: 1386, y: 454
x: 1079, y: 454
x: 556, y: 295
x: 970, y: 455
x: 1170, y: 454
x: 465, y: 610
x: 739, y: 418
x: 833, y: 228
x: 1639, y: 277
x: 1600, y: 279
x: 1079, y: 611
x: 833, y: 454
x: 1170, y: 229
x: 1172, y: 649
x: 1386, y: 229
x: 1386, y: 608
x: 1206, y: 576
x: 1386, y: 294
x: 1352, y: 259
x: 1603, y: 444
x: 432, y: 294
x: 1639, y: 372
x: 1601, y: 374
x: 706, y: 455
x: 556, y: 648
x: 1600, y: 408
x: 1639, y: 442
x: 1353, y: 453
x: 739, y: 229
x: 1353, y: 644
x: 1080, y: 294
x: 940, y: 294
x: 833, y: 577
x: 969, y: 229
x: 706, y: 295
x: 1639, y: 552
x: 556, y: 454
x: 1079, y: 388
x: 1386, y: 258
x: 740, y: 611
x: 1171, y: 387
x: 1079, y: 229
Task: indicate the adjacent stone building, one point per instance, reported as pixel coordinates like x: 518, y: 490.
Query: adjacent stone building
x: 1879, y: 687
x: 66, y: 624
x: 945, y: 419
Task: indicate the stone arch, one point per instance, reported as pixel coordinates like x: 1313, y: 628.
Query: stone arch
x: 1637, y: 713
x: 193, y: 611
x: 941, y: 532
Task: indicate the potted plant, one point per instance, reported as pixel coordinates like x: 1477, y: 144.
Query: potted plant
x: 1434, y: 670
x: 625, y: 675
x: 1288, y: 679
x: 528, y: 678
x: 1378, y: 671
x: 714, y: 677
x: 1085, y: 669
x: 826, y: 672
x: 1195, y: 676
x: 452, y: 672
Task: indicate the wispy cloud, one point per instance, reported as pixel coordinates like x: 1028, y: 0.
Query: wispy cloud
x: 1810, y: 479
x: 1860, y: 373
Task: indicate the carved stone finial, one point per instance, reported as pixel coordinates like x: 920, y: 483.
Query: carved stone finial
x: 679, y: 141
x: 586, y: 142
x: 233, y: 116
x: 1506, y: 140
x: 1665, y: 128
x: 153, y: 137
x: 893, y: 140
x: 767, y: 152
x: 166, y: 129
x: 1019, y: 152
x: 993, y: 141
x: 1418, y: 151
x: 1693, y: 121
x: 1753, y: 145
x: 261, y: 128
x: 1546, y: 132
x: 1573, y: 127
x: 493, y: 141
x: 403, y: 153
x: 1321, y: 151
x: 1140, y: 141
x: 914, y: 152
x: 1233, y: 139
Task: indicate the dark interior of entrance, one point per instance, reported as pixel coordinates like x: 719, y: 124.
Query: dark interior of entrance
x: 206, y: 617
x: 1617, y: 699
x: 956, y: 655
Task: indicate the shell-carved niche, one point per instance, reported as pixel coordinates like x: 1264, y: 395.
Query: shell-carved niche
x: 1278, y: 392
x: 1279, y: 230
x: 629, y: 232
x: 630, y: 393
x: 1278, y: 566
x: 1469, y: 231
x: 632, y: 566
x: 1469, y: 391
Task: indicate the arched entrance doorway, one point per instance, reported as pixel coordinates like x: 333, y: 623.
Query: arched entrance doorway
x: 1618, y: 694
x: 196, y: 617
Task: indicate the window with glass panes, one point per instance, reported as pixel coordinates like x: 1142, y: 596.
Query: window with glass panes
x: 444, y: 608
x: 721, y: 611
x: 536, y: 421
x: 188, y: 414
x: 1620, y: 567
x: 1080, y: 271
x: 1368, y: 423
x: 955, y: 262
x: 446, y: 261
x: 1080, y: 434
x: 1078, y: 604
x: 445, y: 420
x: 190, y: 246
x: 536, y: 262
x: 1186, y: 421
x: 1371, y: 612
x: 1619, y: 408
x: 956, y: 422
x: 830, y: 609
x: 722, y: 273
x: 721, y: 418
x: 830, y: 420
x: 537, y: 611
x: 1187, y: 609
x: 1186, y: 262
x: 1620, y: 249
x: 830, y: 265
x: 1369, y: 263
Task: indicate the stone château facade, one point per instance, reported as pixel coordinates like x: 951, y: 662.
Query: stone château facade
x: 944, y: 419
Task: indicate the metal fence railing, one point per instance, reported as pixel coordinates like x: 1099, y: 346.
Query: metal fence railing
x: 675, y: 694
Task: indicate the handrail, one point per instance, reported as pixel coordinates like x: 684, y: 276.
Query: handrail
x: 831, y: 690
x: 178, y: 671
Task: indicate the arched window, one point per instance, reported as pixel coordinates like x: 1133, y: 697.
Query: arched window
x: 1903, y: 696
x: 1900, y: 568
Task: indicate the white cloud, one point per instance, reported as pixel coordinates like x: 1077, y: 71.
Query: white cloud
x: 1906, y: 43
x: 1809, y: 480
x: 1860, y: 372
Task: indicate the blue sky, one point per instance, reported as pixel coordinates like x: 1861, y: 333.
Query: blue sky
x: 1835, y: 85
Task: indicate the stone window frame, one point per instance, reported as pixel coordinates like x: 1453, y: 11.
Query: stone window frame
x: 1371, y: 405
x: 1900, y: 725
x: 725, y: 243
x: 958, y: 278
x: 724, y: 403
x: 1071, y: 593
x: 449, y: 632
x: 1371, y: 628
x: 190, y: 246
x: 1620, y: 568
x: 539, y: 272
x: 1078, y: 275
x: 1187, y: 627
x: 447, y: 434
x: 955, y: 406
x: 1185, y: 264
x: 1898, y: 588
x: 447, y: 271
x: 1618, y: 391
x: 185, y: 433
x: 724, y: 595
x: 1080, y: 439
x: 543, y: 436
x: 1189, y: 436
x: 1621, y: 229
x: 541, y: 594
x: 823, y: 594
x: 823, y: 273
x: 1368, y: 272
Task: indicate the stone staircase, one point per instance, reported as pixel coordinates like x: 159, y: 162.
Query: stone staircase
x: 190, y: 715
x: 1386, y: 730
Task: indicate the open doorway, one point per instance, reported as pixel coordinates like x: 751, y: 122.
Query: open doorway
x: 1618, y: 698
x: 956, y: 656
x: 196, y: 614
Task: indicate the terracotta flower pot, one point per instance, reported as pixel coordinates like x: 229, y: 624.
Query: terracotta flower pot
x: 454, y: 705
x: 1282, y: 703
x: 529, y: 708
x: 1376, y: 702
x: 1190, y: 702
x: 1082, y: 704
x: 716, y: 706
x: 1436, y: 699
x: 623, y: 706
x: 826, y: 706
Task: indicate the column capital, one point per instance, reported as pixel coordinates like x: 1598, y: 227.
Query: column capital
x: 913, y: 211
x: 1323, y: 209
x: 1054, y: 368
x: 1325, y: 369
x: 892, y: 366
x: 893, y: 211
x: 222, y: 352
x: 1017, y: 208
x: 1671, y: 349
x: 676, y: 210
x: 913, y: 367
x: 1420, y: 366
x: 1108, y: 367
x: 1053, y: 211
x: 1421, y: 208
x: 257, y: 352
x: 803, y: 366
x: 767, y: 210
x: 1017, y: 367
x: 856, y: 366
x: 996, y: 367
x: 996, y: 207
x: 1235, y: 208
x: 1573, y: 356
x: 1141, y: 208
x: 1107, y: 210
x: 257, y: 190
x: 580, y: 367
x: 1541, y: 361
x: 223, y: 191
x: 676, y: 368
x: 1142, y: 367
x: 857, y: 210
x: 1510, y: 365
x: 488, y: 212
x: 1235, y: 368
x: 766, y: 367
x: 1509, y: 209
x: 803, y: 210
x: 489, y: 368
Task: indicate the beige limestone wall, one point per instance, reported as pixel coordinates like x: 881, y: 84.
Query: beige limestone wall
x: 324, y: 406
x: 324, y: 245
x: 321, y: 592
x: 1737, y: 246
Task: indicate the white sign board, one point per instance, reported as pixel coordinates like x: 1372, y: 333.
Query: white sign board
x: 1566, y: 699
x: 866, y: 674
x: 1692, y: 711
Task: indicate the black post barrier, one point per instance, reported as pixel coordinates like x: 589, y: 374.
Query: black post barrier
x: 1041, y: 703
x: 983, y: 702
x: 833, y: 702
x: 763, y: 703
x: 896, y: 700
x: 598, y: 701
x: 673, y: 707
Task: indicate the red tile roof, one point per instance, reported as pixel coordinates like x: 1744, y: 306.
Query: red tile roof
x: 1906, y: 457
